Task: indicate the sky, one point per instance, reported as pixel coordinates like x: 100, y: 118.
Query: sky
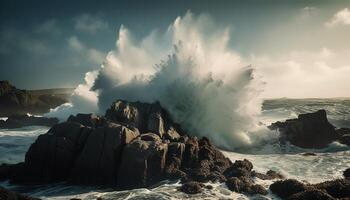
x: 298, y: 48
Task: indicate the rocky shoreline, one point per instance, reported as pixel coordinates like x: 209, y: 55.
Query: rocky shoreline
x: 137, y: 145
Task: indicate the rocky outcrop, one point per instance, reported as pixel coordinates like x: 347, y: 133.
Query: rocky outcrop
x: 134, y: 145
x: 14, y: 101
x: 292, y: 189
x: 311, y: 130
x: 145, y: 117
x: 18, y: 121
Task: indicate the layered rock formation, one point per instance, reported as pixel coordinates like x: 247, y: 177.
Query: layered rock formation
x: 311, y: 130
x: 14, y: 101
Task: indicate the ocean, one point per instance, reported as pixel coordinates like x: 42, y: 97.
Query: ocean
x: 329, y: 163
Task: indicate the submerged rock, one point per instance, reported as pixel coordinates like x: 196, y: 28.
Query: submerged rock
x: 192, y: 187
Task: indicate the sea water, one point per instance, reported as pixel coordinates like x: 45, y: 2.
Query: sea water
x: 328, y: 163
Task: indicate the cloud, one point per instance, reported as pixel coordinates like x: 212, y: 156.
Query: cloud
x: 74, y: 43
x: 50, y: 26
x: 93, y: 55
x: 300, y: 74
x: 90, y: 24
x: 342, y: 17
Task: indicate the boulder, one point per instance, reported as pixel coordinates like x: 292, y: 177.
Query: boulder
x: 339, y: 188
x: 142, y: 162
x: 18, y: 121
x: 245, y: 185
x: 192, y: 187
x: 346, y: 173
x: 310, y: 130
x: 311, y: 194
x: 240, y: 168
x: 99, y: 160
x: 286, y: 188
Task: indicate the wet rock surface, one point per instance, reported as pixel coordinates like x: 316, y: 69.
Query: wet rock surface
x: 311, y: 130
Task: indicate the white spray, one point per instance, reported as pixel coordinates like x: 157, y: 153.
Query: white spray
x: 191, y: 71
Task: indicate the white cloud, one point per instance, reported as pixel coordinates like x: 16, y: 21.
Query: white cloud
x: 75, y: 44
x: 342, y: 17
x: 90, y: 24
x: 93, y: 55
x: 300, y: 74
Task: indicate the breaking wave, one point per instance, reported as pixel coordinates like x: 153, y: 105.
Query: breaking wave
x: 189, y: 68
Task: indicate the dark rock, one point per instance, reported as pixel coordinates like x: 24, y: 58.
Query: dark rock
x: 311, y: 130
x: 14, y: 101
x: 9, y: 195
x: 143, y: 162
x: 286, y: 188
x: 239, y: 168
x: 311, y: 194
x: 89, y: 120
x: 309, y: 154
x: 146, y: 117
x: 268, y: 176
x: 339, y: 188
x: 190, y: 156
x: 52, y: 155
x: 346, y: 173
x: 192, y: 187
x: 18, y: 121
x: 245, y: 185
x: 98, y: 161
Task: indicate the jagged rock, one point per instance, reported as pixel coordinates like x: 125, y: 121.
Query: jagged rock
x: 18, y: 121
x: 310, y: 130
x: 143, y: 162
x: 245, y: 185
x: 89, y: 120
x: 146, y: 117
x: 192, y: 187
x: 98, y: 161
x: 268, y: 176
x: 339, y: 188
x: 14, y: 101
x: 173, y: 160
x: 311, y: 194
x: 240, y: 168
x: 286, y: 188
x: 190, y: 156
x: 9, y: 195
